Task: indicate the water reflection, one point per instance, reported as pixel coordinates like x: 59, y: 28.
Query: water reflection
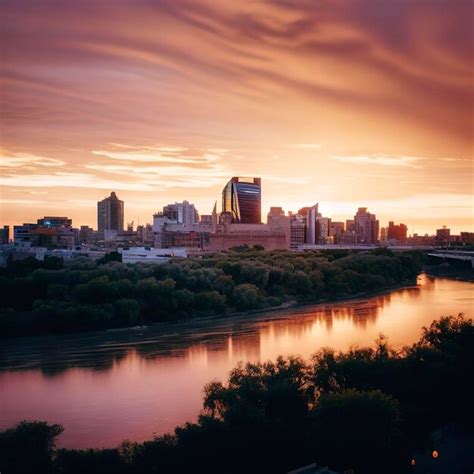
x: 110, y: 386
x: 100, y: 351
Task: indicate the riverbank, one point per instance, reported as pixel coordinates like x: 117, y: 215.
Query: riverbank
x: 76, y: 298
x: 233, y: 316
x: 269, y: 405
x: 303, y: 304
x: 458, y: 272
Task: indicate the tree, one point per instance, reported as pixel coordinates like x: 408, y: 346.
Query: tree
x: 91, y: 461
x: 28, y: 447
x: 245, y: 296
x: 110, y: 257
x: 127, y: 311
x: 357, y: 430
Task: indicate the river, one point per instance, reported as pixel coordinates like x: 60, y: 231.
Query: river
x: 132, y: 384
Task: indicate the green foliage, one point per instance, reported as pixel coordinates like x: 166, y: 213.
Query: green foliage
x: 110, y: 257
x: 53, y: 296
x: 245, y: 296
x: 354, y: 429
x: 128, y: 311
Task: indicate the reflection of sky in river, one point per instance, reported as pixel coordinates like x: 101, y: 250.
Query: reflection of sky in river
x: 130, y: 384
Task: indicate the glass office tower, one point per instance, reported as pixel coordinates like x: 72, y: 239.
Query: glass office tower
x: 242, y: 198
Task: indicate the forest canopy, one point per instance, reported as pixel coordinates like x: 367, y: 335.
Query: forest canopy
x: 56, y: 296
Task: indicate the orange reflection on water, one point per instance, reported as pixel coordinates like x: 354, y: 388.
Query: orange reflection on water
x: 110, y: 386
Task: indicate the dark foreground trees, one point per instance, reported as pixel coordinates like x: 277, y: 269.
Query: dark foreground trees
x: 365, y: 409
x: 80, y: 295
x: 28, y: 447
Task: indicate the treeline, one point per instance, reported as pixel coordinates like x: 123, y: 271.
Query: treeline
x: 366, y: 410
x: 55, y: 296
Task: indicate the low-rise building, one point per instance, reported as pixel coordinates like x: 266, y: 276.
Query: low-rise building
x: 151, y: 255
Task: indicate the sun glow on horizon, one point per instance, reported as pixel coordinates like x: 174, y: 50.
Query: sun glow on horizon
x: 325, y: 103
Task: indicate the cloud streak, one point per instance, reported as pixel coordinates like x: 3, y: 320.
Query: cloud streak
x: 175, y: 97
x: 381, y: 160
x: 21, y: 160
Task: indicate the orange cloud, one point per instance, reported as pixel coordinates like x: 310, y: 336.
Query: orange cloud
x: 298, y: 92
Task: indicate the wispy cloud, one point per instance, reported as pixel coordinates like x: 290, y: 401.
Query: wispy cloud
x: 147, y: 155
x: 381, y: 160
x: 306, y: 146
x: 70, y: 180
x: 22, y: 202
x: 164, y: 166
x: 21, y: 160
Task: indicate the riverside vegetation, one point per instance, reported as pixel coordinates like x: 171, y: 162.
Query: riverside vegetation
x: 366, y: 409
x: 54, y: 296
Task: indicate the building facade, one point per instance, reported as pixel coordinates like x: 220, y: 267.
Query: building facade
x: 397, y: 232
x: 242, y: 199
x: 182, y: 213
x: 110, y: 214
x: 5, y: 234
x: 366, y: 227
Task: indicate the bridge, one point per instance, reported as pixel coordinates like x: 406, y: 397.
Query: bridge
x: 464, y: 256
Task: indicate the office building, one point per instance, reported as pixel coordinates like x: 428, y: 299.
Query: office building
x: 5, y: 234
x: 443, y: 235
x: 87, y: 235
x: 366, y: 227
x: 323, y: 230
x: 181, y: 212
x: 242, y: 199
x: 297, y: 230
x: 336, y: 231
x: 312, y: 215
x: 229, y: 235
x: 397, y: 233
x: 52, y: 222
x: 46, y: 236
x: 110, y: 214
x: 278, y: 221
x: 350, y: 226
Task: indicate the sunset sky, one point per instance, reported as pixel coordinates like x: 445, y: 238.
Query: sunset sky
x: 343, y: 102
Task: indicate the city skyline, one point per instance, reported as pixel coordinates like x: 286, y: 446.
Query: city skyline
x: 331, y: 103
x: 264, y: 213
x: 178, y: 212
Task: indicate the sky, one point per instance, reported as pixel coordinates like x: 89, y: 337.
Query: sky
x: 348, y: 103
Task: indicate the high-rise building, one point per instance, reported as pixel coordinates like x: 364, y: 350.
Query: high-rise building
x: 312, y: 215
x: 110, y: 212
x: 242, y: 198
x: 336, y: 231
x: 366, y: 227
x: 350, y: 225
x: 182, y: 213
x: 323, y: 230
x: 297, y: 230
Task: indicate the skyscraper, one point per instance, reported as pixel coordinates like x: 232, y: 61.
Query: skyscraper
x: 366, y: 227
x: 311, y: 214
x: 242, y: 198
x: 110, y: 213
